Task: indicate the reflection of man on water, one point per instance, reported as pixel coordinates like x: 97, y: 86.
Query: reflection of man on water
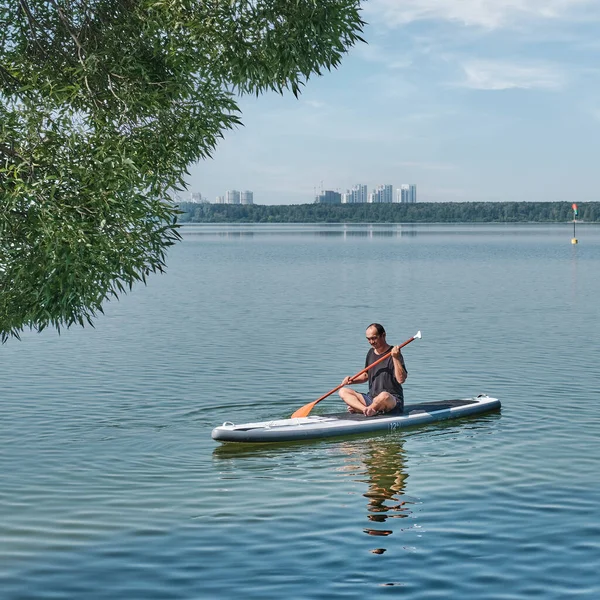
x: 387, y: 479
x: 384, y: 464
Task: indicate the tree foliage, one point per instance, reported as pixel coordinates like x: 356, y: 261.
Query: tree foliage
x: 103, y: 106
x: 421, y: 212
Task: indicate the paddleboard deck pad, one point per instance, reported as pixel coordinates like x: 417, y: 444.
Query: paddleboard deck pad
x: 323, y: 426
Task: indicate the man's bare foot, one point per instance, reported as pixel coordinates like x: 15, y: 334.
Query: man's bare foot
x: 370, y: 411
x: 354, y: 411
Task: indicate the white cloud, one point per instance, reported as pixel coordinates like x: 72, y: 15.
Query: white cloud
x: 490, y: 14
x: 499, y: 75
x: 376, y: 53
x: 595, y: 113
x: 314, y: 103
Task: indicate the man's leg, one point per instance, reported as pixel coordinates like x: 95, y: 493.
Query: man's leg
x: 382, y: 403
x: 353, y: 399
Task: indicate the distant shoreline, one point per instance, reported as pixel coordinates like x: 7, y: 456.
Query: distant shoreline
x: 422, y: 212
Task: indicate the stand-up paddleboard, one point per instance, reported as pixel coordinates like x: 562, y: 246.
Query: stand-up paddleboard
x: 322, y: 426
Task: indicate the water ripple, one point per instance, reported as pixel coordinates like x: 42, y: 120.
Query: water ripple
x: 112, y: 487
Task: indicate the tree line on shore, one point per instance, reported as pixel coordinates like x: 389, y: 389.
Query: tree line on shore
x: 430, y: 212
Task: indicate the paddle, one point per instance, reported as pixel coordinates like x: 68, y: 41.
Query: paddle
x: 304, y: 411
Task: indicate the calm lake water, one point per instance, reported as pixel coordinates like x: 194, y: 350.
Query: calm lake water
x: 112, y: 487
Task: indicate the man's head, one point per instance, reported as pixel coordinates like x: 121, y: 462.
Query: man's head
x: 376, y: 335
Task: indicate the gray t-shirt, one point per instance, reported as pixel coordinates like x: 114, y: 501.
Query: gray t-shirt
x: 381, y: 377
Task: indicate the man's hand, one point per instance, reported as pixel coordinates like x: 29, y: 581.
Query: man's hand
x: 399, y: 370
x: 396, y: 352
x: 347, y: 380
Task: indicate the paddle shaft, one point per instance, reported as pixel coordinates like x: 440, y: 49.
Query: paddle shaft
x: 305, y: 410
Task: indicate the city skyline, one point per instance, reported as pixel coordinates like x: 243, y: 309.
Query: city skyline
x: 383, y: 193
x: 476, y: 101
x: 230, y: 197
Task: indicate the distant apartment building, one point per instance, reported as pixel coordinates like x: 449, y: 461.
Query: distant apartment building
x: 358, y: 194
x: 407, y: 193
x: 197, y: 198
x: 382, y: 194
x: 247, y: 197
x: 232, y: 197
x: 220, y: 200
x: 328, y: 197
x: 412, y: 188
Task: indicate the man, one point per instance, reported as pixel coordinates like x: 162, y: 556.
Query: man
x: 385, y: 379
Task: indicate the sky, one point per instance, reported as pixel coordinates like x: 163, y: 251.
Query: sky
x: 472, y: 100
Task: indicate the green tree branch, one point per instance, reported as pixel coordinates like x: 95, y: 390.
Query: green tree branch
x: 104, y: 104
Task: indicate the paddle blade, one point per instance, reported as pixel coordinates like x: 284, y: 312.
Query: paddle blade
x: 304, y: 411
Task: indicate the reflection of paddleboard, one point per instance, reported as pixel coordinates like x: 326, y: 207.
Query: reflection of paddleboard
x: 322, y: 426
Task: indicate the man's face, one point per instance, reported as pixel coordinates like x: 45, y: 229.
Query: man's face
x: 373, y: 337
